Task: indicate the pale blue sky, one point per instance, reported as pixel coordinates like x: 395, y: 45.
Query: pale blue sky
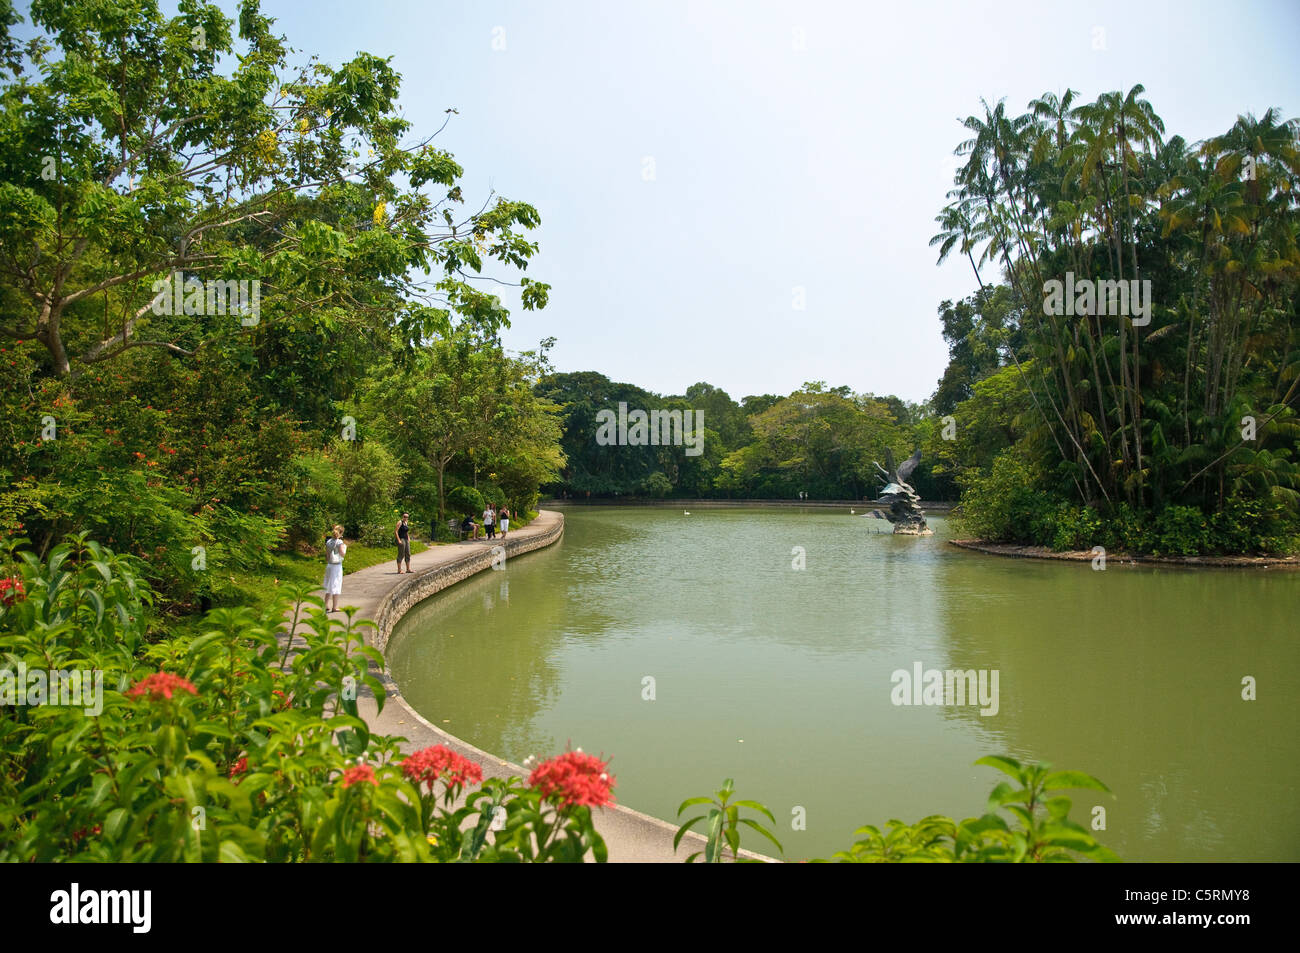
x: 775, y: 167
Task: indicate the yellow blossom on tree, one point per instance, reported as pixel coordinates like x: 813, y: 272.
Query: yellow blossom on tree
x: 265, y: 146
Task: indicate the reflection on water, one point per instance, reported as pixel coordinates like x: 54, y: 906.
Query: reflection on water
x: 780, y: 677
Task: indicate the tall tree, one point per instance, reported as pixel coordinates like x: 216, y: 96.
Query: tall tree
x: 139, y: 148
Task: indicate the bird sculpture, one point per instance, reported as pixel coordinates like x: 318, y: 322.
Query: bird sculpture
x: 904, y: 502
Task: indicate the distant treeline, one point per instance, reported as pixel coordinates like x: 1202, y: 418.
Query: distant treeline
x: 820, y: 441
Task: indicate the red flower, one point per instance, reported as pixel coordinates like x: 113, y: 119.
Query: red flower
x: 159, y: 685
x: 362, y: 772
x: 575, y: 778
x: 429, y: 764
x: 11, y: 590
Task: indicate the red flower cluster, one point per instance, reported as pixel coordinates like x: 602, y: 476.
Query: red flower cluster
x: 160, y: 685
x: 238, y: 768
x: 429, y: 764
x: 576, y: 778
x: 82, y: 834
x: 362, y: 772
x: 11, y: 590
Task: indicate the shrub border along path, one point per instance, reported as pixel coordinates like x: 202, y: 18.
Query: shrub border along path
x: 381, y: 594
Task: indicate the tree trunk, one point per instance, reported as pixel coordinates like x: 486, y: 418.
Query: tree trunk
x: 49, y: 335
x: 442, y: 506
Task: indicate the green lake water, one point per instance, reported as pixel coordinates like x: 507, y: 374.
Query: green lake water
x: 782, y: 678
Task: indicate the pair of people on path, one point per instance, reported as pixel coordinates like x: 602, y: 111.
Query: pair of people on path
x: 491, y: 517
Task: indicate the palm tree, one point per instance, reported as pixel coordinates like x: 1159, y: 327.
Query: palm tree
x: 1058, y: 110
x: 997, y: 169
x: 958, y: 224
x: 1271, y: 146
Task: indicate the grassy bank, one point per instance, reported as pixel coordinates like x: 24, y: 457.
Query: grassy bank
x: 255, y: 588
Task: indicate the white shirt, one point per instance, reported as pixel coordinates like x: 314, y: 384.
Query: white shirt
x: 488, y: 517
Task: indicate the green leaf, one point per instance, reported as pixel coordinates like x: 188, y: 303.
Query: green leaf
x: 115, y: 823
x: 764, y: 831
x: 98, y: 601
x: 1005, y: 793
x: 1058, y: 807
x: 1005, y: 765
x: 681, y: 831
x: 713, y: 849
x: 100, y: 787
x: 690, y: 802
x: 1060, y: 780
x: 1065, y: 834
x: 1022, y: 814
x: 755, y: 806
x: 231, y: 853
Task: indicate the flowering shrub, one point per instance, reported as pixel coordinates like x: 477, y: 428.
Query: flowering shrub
x: 232, y: 746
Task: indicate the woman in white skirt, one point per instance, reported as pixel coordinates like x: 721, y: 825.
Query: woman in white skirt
x: 335, y: 550
x: 503, y: 520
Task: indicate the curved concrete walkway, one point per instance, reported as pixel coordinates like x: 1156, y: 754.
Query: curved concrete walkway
x: 381, y: 594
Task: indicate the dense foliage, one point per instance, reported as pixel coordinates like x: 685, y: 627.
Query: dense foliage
x: 1170, y: 419
x: 142, y: 152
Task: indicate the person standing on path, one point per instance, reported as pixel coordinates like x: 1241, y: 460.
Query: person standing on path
x: 335, y: 550
x: 504, y: 520
x: 489, y: 520
x: 403, y: 536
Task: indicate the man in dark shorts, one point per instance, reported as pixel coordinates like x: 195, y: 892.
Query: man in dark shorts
x: 403, y: 536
